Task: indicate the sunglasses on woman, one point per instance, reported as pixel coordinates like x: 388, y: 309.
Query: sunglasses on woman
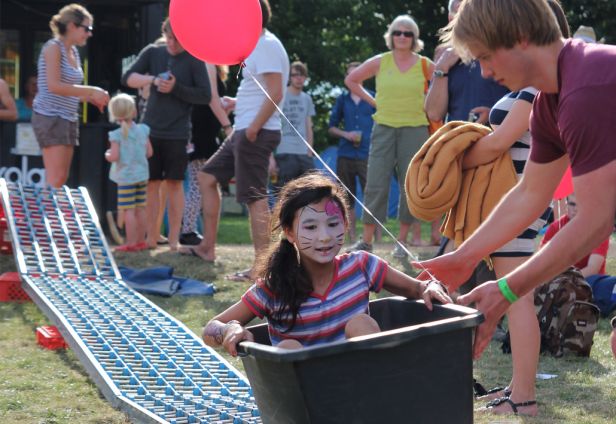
x: 398, y: 33
x: 87, y: 28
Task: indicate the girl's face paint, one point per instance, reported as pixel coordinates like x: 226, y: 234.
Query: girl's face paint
x: 318, y: 231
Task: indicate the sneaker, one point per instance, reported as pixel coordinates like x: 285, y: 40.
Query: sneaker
x: 359, y: 245
x: 399, y: 252
x: 191, y: 239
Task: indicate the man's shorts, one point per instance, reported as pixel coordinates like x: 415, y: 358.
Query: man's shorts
x: 54, y: 131
x: 132, y: 195
x: 246, y: 161
x: 169, y: 159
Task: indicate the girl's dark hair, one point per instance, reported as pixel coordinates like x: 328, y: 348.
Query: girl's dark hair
x: 283, y: 276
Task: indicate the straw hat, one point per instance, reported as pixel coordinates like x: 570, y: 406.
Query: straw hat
x: 587, y: 34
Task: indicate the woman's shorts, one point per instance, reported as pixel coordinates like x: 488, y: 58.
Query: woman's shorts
x: 54, y: 131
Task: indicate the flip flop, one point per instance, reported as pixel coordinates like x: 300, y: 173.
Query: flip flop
x: 239, y: 276
x: 191, y: 251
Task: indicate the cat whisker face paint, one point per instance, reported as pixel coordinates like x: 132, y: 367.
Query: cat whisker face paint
x: 319, y: 231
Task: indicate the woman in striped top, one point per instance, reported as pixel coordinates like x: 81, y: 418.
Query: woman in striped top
x: 54, y: 118
x: 309, y: 294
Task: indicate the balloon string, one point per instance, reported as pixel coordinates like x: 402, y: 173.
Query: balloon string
x: 314, y: 152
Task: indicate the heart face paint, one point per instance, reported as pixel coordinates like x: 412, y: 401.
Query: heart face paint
x: 319, y: 231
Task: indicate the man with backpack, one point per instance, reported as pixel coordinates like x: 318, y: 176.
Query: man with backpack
x: 518, y: 44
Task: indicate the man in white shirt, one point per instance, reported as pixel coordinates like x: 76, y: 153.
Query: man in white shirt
x: 245, y: 154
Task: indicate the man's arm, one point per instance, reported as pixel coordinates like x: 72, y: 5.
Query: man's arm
x: 136, y: 76
x: 309, y: 133
x: 199, y: 93
x: 9, y: 111
x: 593, y: 224
x: 335, y: 119
x: 437, y: 99
x: 273, y: 86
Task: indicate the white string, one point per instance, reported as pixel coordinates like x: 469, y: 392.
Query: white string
x: 366, y: 210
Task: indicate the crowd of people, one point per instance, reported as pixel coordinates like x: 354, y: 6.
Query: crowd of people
x: 518, y: 72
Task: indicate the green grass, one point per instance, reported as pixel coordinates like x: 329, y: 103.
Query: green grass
x: 235, y: 230
x: 40, y: 386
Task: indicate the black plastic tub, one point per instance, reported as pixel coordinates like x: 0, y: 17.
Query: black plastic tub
x: 417, y: 370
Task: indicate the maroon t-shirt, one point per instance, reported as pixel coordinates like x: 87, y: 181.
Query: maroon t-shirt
x: 581, y: 119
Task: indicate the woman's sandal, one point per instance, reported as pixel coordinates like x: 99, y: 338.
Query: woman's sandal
x: 514, y: 406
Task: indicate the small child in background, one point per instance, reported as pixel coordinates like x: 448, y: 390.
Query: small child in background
x: 129, y: 153
x: 309, y: 294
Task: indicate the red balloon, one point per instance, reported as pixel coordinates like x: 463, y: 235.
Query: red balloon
x: 220, y: 32
x: 565, y: 188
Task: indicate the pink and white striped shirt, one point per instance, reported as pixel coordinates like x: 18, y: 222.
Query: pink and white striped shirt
x: 322, y: 318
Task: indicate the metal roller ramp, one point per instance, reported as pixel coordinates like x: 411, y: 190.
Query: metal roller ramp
x: 143, y: 360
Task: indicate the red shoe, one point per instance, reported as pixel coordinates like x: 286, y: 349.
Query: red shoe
x: 141, y: 246
x: 126, y: 248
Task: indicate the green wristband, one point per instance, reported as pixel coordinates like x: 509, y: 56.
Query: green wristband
x: 506, y: 291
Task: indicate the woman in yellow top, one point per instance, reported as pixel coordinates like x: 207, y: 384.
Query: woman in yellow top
x: 400, y: 125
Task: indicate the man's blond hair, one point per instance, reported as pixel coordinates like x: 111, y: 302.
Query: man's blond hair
x: 500, y: 24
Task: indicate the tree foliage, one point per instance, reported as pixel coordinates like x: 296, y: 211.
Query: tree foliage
x: 327, y: 34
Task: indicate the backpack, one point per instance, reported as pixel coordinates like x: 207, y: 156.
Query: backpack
x: 433, y: 125
x: 567, y: 317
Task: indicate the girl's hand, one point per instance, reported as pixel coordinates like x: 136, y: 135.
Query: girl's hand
x: 434, y: 290
x: 233, y: 333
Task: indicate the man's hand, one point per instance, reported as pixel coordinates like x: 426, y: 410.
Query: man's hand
x: 272, y: 166
x: 251, y: 134
x: 488, y: 299
x: 165, y: 86
x: 450, y: 269
x: 446, y: 60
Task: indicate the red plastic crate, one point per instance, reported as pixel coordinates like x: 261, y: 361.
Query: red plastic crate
x: 10, y: 288
x: 6, y: 248
x: 50, y: 338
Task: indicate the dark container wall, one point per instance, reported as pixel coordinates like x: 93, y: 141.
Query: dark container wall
x: 417, y: 370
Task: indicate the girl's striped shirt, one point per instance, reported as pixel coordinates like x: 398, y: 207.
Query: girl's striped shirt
x: 322, y: 318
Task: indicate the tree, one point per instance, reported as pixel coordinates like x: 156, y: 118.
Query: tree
x: 327, y: 34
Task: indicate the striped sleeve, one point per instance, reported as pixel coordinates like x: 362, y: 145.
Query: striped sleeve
x: 528, y: 94
x: 375, y: 269
x: 257, y: 298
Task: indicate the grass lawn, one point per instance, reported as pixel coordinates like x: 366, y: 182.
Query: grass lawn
x: 40, y: 386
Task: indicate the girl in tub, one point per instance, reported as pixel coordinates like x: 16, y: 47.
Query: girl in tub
x: 308, y: 292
